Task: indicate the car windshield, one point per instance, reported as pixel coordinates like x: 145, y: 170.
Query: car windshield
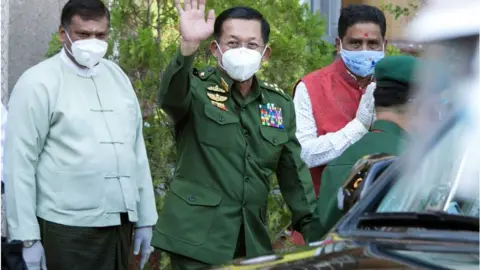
x: 442, y: 172
x: 445, y: 179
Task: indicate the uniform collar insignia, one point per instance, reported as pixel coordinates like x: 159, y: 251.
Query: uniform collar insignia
x: 224, y: 84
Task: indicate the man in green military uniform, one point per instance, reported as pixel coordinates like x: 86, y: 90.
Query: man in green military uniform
x: 387, y: 134
x: 233, y: 132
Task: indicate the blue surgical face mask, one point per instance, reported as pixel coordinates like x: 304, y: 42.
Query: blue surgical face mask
x: 361, y: 63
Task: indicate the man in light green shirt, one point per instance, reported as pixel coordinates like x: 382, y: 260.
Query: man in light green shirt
x: 76, y: 170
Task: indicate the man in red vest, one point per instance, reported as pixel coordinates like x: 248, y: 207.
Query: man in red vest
x: 332, y: 106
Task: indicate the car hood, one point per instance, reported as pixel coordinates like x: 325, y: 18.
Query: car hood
x: 329, y: 255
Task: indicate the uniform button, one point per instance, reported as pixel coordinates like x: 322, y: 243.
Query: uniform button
x: 243, y: 109
x: 247, y: 179
x: 209, y: 69
x: 248, y: 156
x: 245, y: 132
x: 221, y: 119
x: 191, y: 198
x: 274, y: 139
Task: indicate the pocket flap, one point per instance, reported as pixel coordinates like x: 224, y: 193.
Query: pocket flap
x: 195, y: 194
x: 275, y: 136
x: 219, y: 116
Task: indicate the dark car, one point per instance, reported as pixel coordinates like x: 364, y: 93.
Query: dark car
x: 441, y: 233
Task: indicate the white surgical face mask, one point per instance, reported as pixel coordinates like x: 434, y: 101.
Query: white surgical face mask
x: 241, y: 63
x: 87, y: 52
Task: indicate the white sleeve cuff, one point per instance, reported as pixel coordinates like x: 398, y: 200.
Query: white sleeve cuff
x: 354, y: 130
x: 24, y: 233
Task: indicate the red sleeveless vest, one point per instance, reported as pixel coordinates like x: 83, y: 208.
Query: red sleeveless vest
x: 335, y: 96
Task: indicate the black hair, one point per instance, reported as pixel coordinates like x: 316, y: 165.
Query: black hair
x: 86, y: 9
x: 244, y: 13
x: 392, y: 96
x: 354, y: 14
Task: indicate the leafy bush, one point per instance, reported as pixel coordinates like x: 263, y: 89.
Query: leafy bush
x: 392, y: 50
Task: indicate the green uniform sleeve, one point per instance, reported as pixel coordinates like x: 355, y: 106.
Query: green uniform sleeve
x: 25, y: 136
x: 327, y: 213
x: 174, y: 95
x: 296, y: 185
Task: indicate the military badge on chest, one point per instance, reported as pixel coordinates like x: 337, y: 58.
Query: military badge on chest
x: 271, y: 116
x: 218, y: 95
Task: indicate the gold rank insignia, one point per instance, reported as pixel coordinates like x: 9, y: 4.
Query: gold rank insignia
x: 216, y: 89
x: 219, y: 105
x: 224, y: 84
x: 217, y: 97
x: 278, y: 89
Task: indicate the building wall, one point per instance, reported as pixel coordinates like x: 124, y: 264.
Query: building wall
x: 4, y: 19
x: 30, y: 27
x: 330, y: 10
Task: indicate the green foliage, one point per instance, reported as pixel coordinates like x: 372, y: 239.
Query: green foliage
x: 400, y: 11
x: 392, y: 50
x: 54, y: 46
x: 144, y: 37
x: 396, y: 10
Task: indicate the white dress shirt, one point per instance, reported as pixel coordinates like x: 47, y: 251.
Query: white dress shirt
x: 319, y: 150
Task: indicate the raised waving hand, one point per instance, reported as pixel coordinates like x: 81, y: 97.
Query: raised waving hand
x: 194, y: 27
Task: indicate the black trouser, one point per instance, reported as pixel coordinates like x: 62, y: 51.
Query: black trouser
x: 87, y: 248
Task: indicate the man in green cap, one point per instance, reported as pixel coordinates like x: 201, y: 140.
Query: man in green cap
x: 393, y: 75
x: 233, y: 132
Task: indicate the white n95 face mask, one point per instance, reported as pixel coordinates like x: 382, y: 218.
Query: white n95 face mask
x: 241, y: 63
x: 88, y: 52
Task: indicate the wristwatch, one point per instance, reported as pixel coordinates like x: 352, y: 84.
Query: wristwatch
x: 29, y: 243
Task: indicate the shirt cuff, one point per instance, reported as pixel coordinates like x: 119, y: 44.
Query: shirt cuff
x: 24, y: 233
x: 354, y: 130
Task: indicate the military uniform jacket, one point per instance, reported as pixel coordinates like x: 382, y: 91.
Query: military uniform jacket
x: 384, y: 137
x: 227, y: 148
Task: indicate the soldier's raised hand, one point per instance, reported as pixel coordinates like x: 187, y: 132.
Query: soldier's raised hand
x: 194, y: 27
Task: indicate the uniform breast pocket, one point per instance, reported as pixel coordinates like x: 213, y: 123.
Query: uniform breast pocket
x: 274, y: 140
x: 217, y: 128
